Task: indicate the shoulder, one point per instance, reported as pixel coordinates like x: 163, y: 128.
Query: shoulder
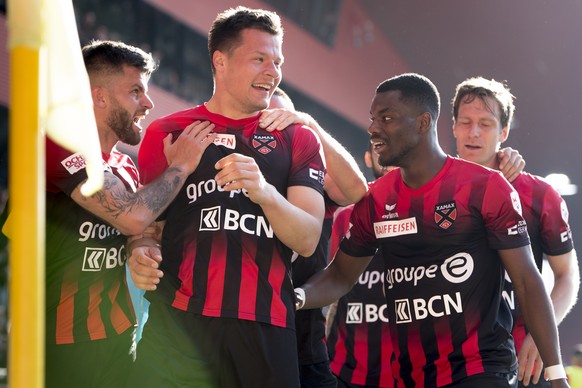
x: 177, y: 120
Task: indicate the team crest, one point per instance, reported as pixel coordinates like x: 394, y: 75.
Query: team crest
x: 264, y: 143
x: 445, y: 214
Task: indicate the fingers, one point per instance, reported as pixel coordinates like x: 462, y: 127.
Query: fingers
x: 143, y: 266
x: 511, y: 163
x: 278, y: 119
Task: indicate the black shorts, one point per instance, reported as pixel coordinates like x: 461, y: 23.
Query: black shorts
x: 181, y: 349
x: 90, y: 364
x: 488, y: 380
x: 317, y: 375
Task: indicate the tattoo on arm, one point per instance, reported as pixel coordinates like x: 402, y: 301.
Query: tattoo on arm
x: 155, y: 196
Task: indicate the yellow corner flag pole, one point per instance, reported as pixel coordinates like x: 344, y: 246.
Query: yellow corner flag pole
x: 27, y: 200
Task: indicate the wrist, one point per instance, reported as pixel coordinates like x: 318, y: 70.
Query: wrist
x: 555, y: 372
x: 299, y: 298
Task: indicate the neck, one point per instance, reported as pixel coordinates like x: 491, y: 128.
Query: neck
x: 423, y: 168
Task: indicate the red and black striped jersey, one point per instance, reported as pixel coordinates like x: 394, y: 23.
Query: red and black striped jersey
x: 86, y: 292
x: 443, y: 275
x: 546, y: 215
x: 310, y: 323
x: 221, y: 257
x: 359, y: 339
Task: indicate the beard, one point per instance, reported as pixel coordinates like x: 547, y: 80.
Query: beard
x: 121, y: 122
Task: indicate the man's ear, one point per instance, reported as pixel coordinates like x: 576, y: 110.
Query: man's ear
x: 504, y: 134
x: 424, y: 121
x: 218, y: 60
x: 99, y: 97
x: 368, y: 159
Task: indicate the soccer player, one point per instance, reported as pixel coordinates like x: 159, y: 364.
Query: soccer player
x: 447, y: 229
x: 344, y: 184
x: 89, y: 316
x: 223, y: 312
x: 482, y: 112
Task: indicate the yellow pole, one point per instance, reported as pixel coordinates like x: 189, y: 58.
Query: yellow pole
x: 27, y: 202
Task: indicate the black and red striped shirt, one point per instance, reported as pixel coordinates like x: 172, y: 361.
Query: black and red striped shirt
x: 443, y: 274
x: 546, y: 215
x: 310, y: 323
x: 86, y: 292
x: 221, y: 257
x: 359, y: 339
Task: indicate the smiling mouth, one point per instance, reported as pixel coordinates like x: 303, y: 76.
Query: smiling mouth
x: 265, y: 87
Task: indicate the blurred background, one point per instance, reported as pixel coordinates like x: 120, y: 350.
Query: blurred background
x: 337, y: 52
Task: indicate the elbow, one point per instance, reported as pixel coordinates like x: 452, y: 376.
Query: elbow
x: 132, y: 226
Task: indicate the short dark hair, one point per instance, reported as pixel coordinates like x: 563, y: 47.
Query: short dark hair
x: 106, y: 57
x: 479, y: 87
x: 417, y: 89
x: 225, y: 32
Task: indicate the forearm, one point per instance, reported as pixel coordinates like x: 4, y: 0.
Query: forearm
x: 539, y: 317
x: 298, y: 229
x: 342, y: 168
x: 566, y: 283
x: 564, y: 294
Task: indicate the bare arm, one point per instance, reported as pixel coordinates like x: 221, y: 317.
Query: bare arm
x: 535, y: 304
x: 131, y: 212
x: 336, y: 280
x: 566, y: 283
x: 296, y: 220
x: 344, y: 181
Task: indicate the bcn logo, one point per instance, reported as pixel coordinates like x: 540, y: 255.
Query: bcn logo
x: 95, y: 258
x: 436, y: 306
x: 211, y: 220
x: 359, y: 312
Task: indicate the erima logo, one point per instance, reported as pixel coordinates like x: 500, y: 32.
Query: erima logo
x: 225, y: 140
x: 74, y: 163
x: 391, y: 214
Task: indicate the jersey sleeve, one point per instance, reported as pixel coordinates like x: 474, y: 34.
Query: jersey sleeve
x: 555, y: 230
x: 65, y: 170
x: 502, y: 213
x: 339, y: 229
x: 308, y: 163
x: 151, y: 160
x: 360, y: 240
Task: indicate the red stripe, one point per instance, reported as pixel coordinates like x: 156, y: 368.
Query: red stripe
x: 66, y: 313
x: 185, y: 275
x: 471, y: 347
x: 445, y: 346
x: 417, y: 357
x: 277, y: 276
x: 247, y: 297
x: 118, y: 318
x: 216, y: 274
x: 339, y: 359
x: 360, y: 353
x: 94, y: 319
x: 386, y: 379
